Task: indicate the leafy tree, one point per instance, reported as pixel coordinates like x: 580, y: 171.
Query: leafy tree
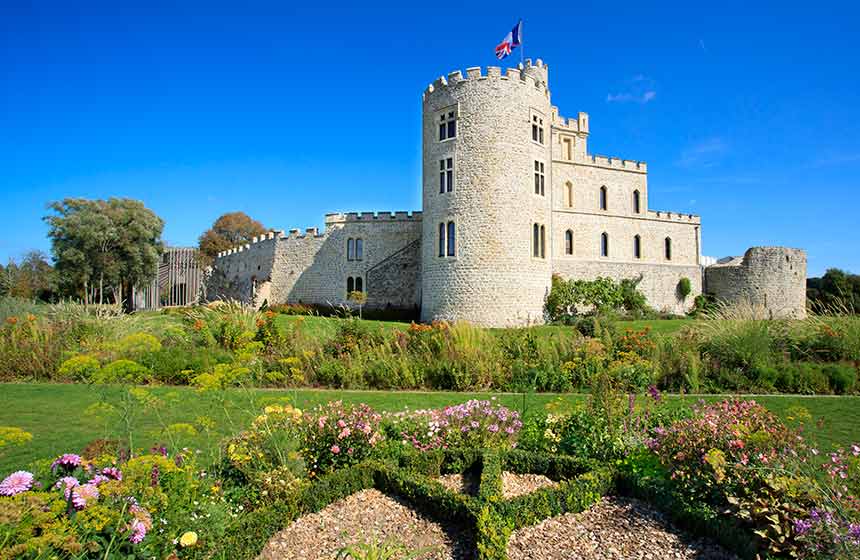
x: 837, y: 289
x: 358, y: 298
x: 228, y: 231
x: 33, y: 278
x: 104, y: 245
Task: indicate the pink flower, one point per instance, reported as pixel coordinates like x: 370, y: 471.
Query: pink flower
x: 141, y: 523
x: 67, y: 483
x: 855, y: 450
x: 341, y: 424
x: 335, y: 449
x: 112, y: 472
x: 68, y: 461
x: 16, y: 483
x: 344, y: 433
x: 99, y: 479
x: 83, y: 495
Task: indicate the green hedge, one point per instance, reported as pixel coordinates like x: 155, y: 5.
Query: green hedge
x: 556, y: 467
x: 490, y: 488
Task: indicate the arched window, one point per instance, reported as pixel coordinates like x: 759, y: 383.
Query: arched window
x: 568, y: 194
x: 442, y: 239
x: 359, y: 287
x: 568, y: 242
x: 543, y: 242
x: 359, y: 249
x: 536, y: 241
x: 637, y: 247
x: 350, y: 285
x: 636, y: 203
x: 350, y: 249
x: 668, y: 246
x: 451, y: 240
x: 604, y: 244
x: 603, y: 202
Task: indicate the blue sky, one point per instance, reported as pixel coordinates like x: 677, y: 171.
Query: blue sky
x: 748, y: 113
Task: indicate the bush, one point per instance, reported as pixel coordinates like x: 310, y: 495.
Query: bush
x: 684, y: 288
x: 136, y: 345
x: 79, y: 368
x: 123, y: 371
x: 336, y: 435
x: 473, y: 424
x: 842, y: 377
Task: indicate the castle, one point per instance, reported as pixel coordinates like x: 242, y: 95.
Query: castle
x: 511, y: 196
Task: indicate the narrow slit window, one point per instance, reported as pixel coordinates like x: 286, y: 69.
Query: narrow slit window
x: 442, y: 239
x: 668, y: 247
x: 637, y: 247
x: 350, y: 285
x: 359, y: 248
x: 603, y: 199
x: 604, y: 244
x: 350, y: 249
x: 359, y: 284
x: 543, y: 242
x: 451, y: 239
x: 536, y: 240
x: 636, y: 202
x: 568, y: 242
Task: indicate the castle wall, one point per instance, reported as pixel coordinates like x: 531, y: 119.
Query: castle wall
x: 770, y: 277
x: 396, y: 281
x: 493, y: 279
x: 242, y: 272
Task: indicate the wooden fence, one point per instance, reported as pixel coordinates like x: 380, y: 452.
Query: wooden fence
x: 178, y: 281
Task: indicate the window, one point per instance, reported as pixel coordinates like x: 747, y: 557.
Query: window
x: 568, y: 194
x: 636, y: 203
x: 539, y: 241
x: 446, y: 175
x: 567, y: 149
x: 604, y: 244
x: 539, y: 178
x: 603, y: 202
x: 537, y: 129
x: 637, y: 247
x: 447, y: 125
x: 359, y: 284
x: 354, y: 249
x: 668, y: 247
x: 451, y: 239
x: 350, y: 285
x: 442, y: 239
x: 568, y: 242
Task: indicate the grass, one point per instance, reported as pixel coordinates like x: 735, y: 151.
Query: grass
x: 55, y: 414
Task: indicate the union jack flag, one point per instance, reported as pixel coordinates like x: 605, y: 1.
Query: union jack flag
x: 512, y: 40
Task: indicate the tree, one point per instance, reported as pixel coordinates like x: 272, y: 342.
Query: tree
x: 228, y: 231
x: 358, y: 298
x: 101, y: 245
x: 33, y: 278
x: 837, y: 289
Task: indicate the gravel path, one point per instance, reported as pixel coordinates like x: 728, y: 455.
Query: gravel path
x: 360, y: 517
x: 513, y: 485
x: 615, y: 528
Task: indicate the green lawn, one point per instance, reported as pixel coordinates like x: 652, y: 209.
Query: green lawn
x: 325, y: 327
x: 56, y: 414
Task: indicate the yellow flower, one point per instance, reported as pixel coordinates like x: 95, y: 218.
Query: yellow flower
x: 188, y: 538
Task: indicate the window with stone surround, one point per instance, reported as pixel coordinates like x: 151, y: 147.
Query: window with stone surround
x: 442, y: 239
x: 537, y: 128
x: 603, y: 198
x: 539, y: 241
x: 354, y: 284
x: 637, y: 247
x: 350, y: 285
x: 604, y: 244
x: 637, y: 203
x: 452, y: 239
x: 567, y: 149
x: 359, y: 284
x: 447, y: 124
x: 540, y: 178
x: 667, y: 246
x: 568, y: 242
x: 354, y: 249
x: 446, y: 175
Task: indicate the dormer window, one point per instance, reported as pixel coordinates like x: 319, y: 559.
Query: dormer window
x: 447, y: 125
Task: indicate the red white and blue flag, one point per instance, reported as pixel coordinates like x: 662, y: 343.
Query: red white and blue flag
x: 510, y: 42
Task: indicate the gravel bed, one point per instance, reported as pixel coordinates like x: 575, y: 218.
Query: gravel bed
x: 513, y: 485
x: 365, y: 515
x: 614, y: 528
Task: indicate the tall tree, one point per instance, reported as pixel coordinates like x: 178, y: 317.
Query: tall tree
x: 104, y: 245
x: 228, y: 231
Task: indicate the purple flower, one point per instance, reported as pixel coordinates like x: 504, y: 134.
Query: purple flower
x: 654, y: 392
x: 493, y: 428
x: 67, y: 461
x: 82, y: 495
x: 66, y: 484
x: 98, y: 479
x: 112, y: 473
x: 802, y: 526
x: 16, y: 483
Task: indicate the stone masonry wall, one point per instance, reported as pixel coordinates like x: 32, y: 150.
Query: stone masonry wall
x: 396, y: 281
x: 771, y: 277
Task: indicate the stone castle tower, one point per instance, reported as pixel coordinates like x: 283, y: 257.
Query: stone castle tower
x: 489, y: 273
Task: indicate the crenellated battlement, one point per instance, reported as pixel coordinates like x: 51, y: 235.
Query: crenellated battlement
x: 675, y: 216
x: 529, y: 74
x: 616, y: 163
x: 578, y: 125
x: 401, y: 216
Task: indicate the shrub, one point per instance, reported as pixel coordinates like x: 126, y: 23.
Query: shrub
x: 684, y: 288
x: 472, y: 424
x: 136, y: 345
x: 842, y: 377
x: 567, y: 297
x: 79, y: 368
x: 123, y: 371
x: 336, y: 435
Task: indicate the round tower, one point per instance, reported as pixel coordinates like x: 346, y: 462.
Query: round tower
x: 487, y: 196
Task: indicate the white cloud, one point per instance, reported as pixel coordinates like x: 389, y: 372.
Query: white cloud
x: 703, y: 153
x: 640, y: 89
